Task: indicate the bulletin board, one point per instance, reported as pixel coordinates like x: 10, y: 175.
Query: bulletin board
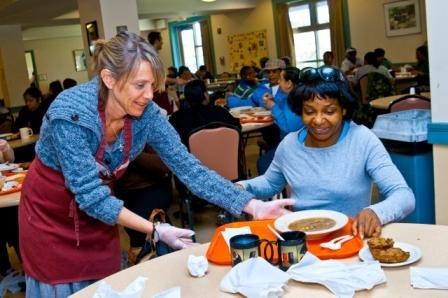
x: 247, y: 49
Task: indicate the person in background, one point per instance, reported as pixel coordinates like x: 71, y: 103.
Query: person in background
x: 351, y: 62
x: 332, y: 163
x: 247, y: 84
x: 68, y: 215
x: 68, y: 83
x: 203, y: 73
x: 54, y: 88
x: 371, y: 64
x: 283, y: 116
x: 172, y: 72
x: 32, y: 113
x: 421, y: 69
x: 262, y: 76
x: 6, y: 118
x: 198, y: 112
x: 328, y: 58
x: 287, y: 61
x: 381, y: 57
x: 155, y: 39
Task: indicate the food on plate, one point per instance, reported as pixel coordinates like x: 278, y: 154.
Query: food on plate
x: 312, y: 224
x: 256, y: 119
x: 383, y: 251
x: 390, y: 255
x: 380, y: 243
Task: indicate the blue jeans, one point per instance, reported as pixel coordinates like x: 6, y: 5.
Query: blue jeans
x: 37, y: 289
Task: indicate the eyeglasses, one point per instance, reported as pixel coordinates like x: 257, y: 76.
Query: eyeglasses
x: 326, y: 73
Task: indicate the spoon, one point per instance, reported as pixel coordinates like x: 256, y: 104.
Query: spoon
x: 336, y: 243
x: 275, y: 233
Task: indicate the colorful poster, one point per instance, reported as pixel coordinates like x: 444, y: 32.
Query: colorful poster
x: 247, y: 49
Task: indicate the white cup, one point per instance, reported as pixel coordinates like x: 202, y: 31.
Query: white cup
x: 25, y: 133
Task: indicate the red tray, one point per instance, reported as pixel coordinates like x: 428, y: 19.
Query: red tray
x: 14, y: 189
x: 218, y: 251
x: 257, y: 119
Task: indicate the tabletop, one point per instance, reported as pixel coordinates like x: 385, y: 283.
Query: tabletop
x: 23, y: 142
x: 383, y: 103
x: 10, y: 199
x: 170, y: 270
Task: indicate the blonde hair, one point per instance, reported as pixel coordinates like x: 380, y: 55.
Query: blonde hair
x: 121, y: 55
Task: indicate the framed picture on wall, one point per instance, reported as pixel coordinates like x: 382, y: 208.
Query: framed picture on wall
x: 92, y: 35
x: 80, y: 60
x: 402, y: 17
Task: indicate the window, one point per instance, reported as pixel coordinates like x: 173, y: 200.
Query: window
x: 191, y: 46
x: 190, y: 43
x: 310, y: 21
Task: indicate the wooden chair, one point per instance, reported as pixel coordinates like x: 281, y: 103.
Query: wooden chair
x: 409, y: 102
x: 219, y: 147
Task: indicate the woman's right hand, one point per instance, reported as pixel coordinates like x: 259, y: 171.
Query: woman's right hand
x: 174, y: 237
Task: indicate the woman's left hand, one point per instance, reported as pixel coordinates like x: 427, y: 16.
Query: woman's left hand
x: 366, y: 223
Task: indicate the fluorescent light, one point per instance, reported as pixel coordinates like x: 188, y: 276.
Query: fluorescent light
x: 208, y: 0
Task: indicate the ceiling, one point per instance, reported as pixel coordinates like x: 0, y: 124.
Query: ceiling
x: 42, y: 13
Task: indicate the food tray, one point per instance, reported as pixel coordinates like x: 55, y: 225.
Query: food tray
x: 218, y: 251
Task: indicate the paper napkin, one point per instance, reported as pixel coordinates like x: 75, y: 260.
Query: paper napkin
x: 429, y: 278
x: 255, y: 278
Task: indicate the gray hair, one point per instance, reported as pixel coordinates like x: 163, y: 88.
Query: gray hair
x: 121, y: 55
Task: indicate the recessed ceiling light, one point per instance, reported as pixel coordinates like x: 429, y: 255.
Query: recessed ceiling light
x: 208, y: 0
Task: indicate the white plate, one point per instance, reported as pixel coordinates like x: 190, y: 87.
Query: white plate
x: 283, y: 222
x: 238, y: 109
x: 263, y: 113
x: 414, y: 254
x: 8, y: 166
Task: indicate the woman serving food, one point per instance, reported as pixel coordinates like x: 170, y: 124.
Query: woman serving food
x: 332, y: 162
x: 68, y: 214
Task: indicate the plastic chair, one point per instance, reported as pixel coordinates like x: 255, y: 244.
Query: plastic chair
x: 409, y: 102
x: 219, y: 147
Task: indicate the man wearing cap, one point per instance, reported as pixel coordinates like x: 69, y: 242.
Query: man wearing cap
x: 351, y: 62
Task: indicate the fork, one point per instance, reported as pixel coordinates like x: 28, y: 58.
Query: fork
x: 336, y: 243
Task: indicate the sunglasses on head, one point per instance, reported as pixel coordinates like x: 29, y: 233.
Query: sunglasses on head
x: 326, y: 73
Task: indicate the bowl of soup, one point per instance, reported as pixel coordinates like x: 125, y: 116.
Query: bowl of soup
x: 315, y: 223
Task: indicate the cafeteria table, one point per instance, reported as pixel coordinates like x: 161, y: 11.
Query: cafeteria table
x: 170, y: 270
x: 10, y: 199
x: 23, y: 142
x: 383, y: 103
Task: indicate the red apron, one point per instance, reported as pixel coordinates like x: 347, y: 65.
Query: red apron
x: 59, y: 243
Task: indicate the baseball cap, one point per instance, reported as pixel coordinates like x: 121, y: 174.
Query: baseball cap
x: 275, y: 63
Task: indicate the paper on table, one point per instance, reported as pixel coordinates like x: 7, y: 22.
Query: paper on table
x: 133, y: 290
x: 230, y: 232
x: 197, y: 266
x: 429, y: 278
x: 255, y: 278
x: 343, y: 280
x: 170, y: 293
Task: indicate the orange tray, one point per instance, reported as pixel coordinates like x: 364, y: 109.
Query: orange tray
x: 14, y: 189
x: 218, y: 251
x: 261, y: 119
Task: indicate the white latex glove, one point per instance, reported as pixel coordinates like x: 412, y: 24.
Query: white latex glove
x: 268, y: 210
x: 174, y: 237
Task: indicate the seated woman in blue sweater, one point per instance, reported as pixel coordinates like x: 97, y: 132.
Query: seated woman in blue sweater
x: 331, y: 163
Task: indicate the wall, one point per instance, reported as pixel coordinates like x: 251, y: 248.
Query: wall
x: 241, y: 22
x: 14, y: 73
x: 367, y: 30
x: 438, y: 61
x: 54, y: 59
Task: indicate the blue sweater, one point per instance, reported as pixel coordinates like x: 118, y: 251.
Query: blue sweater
x: 71, y: 134
x: 286, y: 120
x: 338, y: 177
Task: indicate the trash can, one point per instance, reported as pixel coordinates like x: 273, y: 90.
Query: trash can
x: 404, y: 134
